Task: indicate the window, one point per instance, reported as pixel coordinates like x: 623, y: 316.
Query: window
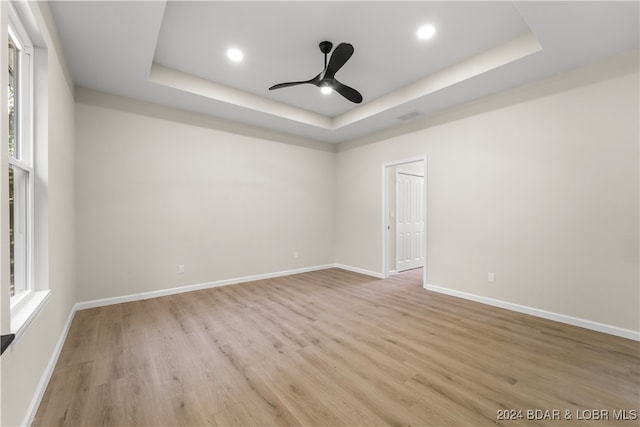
x: 20, y: 145
x: 24, y: 143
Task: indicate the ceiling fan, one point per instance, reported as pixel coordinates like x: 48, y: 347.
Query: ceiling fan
x: 326, y: 79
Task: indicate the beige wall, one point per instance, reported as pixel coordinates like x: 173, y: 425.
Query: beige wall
x: 539, y: 186
x: 153, y: 194
x: 23, y: 366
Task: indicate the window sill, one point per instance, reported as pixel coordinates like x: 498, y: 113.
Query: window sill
x: 23, y: 314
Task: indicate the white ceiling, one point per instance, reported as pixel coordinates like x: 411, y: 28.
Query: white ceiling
x: 174, y: 54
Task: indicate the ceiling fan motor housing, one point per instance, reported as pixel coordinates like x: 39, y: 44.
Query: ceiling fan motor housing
x: 325, y: 47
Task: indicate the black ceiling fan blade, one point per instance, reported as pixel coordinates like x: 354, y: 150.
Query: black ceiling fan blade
x: 281, y: 85
x: 348, y: 92
x: 339, y: 57
x: 313, y: 81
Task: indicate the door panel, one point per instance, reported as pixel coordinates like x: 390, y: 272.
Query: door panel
x: 409, y: 220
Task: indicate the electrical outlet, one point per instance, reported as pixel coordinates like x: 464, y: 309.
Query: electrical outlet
x: 180, y: 268
x: 492, y: 278
x: 296, y: 254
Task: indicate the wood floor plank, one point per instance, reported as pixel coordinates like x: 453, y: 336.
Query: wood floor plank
x: 332, y: 348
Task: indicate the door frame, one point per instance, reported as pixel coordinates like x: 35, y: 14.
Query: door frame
x: 385, y: 213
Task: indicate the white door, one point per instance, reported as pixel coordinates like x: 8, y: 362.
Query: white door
x: 409, y: 220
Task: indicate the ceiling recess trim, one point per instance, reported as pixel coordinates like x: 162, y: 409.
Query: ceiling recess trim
x: 186, y: 82
x: 520, y: 47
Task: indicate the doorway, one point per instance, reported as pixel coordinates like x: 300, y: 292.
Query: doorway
x: 416, y: 241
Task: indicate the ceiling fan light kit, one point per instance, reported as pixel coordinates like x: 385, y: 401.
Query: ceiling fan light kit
x: 326, y: 80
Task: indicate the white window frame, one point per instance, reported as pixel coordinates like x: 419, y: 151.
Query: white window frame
x: 24, y: 307
x: 24, y: 143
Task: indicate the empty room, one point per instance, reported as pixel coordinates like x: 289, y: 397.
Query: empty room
x: 299, y: 213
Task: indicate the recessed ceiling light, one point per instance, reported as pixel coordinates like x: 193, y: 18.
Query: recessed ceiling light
x: 326, y: 90
x: 426, y: 32
x: 234, y: 54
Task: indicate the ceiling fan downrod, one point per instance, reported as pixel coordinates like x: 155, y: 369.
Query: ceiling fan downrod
x: 325, y: 47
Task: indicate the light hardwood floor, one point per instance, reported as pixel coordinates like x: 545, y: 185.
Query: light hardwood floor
x: 332, y: 348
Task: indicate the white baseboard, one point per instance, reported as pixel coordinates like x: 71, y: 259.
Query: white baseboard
x: 46, y: 375
x: 189, y: 288
x: 562, y: 318
x: 360, y: 270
